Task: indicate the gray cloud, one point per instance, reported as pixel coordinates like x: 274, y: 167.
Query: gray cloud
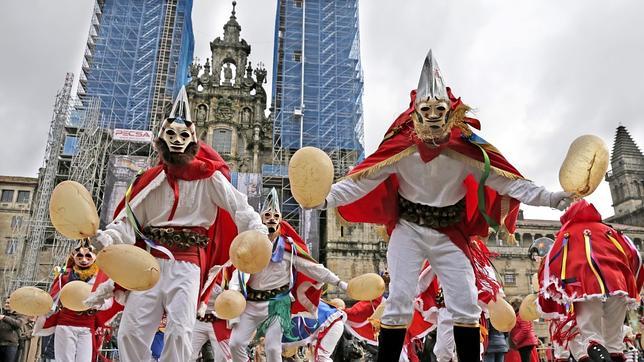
x: 538, y: 73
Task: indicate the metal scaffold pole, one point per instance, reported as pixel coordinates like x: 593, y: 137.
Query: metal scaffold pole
x: 39, y: 228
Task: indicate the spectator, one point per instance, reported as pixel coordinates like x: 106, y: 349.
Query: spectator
x: 10, y: 325
x: 497, y: 346
x: 522, y: 335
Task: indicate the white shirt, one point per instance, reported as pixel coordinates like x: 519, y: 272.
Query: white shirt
x: 277, y: 274
x: 438, y: 182
x: 198, y: 203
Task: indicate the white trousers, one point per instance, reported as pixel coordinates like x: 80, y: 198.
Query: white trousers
x: 73, y: 344
x: 444, y: 347
x: 575, y: 348
x: 254, y: 314
x: 203, y: 333
x: 176, y: 293
x: 409, y: 246
x: 327, y: 344
x: 601, y: 322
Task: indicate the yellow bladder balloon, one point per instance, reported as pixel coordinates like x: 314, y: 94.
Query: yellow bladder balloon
x: 230, y: 304
x: 338, y: 303
x: 502, y: 315
x: 377, y: 315
x: 535, y: 282
x: 72, y: 211
x: 129, y: 266
x: 366, y: 287
x: 585, y: 165
x: 310, y: 172
x: 73, y: 294
x: 31, y: 301
x: 528, y: 310
x: 250, y: 251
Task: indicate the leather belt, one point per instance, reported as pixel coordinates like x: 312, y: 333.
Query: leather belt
x: 431, y: 216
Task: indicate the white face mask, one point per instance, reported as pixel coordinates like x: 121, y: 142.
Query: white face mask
x: 84, y: 257
x: 430, y: 121
x: 178, y: 135
x: 271, y: 218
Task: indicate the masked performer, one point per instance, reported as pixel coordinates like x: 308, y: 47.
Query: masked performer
x: 596, y: 270
x: 291, y: 271
x: 75, y: 339
x: 183, y: 209
x: 425, y: 183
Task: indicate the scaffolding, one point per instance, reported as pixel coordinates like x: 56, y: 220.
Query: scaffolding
x: 18, y: 235
x: 39, y: 230
x: 317, y: 93
x: 88, y: 166
x: 137, y: 58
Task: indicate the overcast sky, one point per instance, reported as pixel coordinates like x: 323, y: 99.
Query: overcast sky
x: 538, y: 73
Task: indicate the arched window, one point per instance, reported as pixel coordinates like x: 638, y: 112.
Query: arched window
x: 222, y: 141
x: 527, y: 239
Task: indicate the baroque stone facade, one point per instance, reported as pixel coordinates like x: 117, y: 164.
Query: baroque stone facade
x: 228, y: 102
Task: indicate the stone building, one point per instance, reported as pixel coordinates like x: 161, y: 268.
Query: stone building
x: 16, y: 196
x: 626, y: 179
x: 228, y: 102
x: 352, y: 249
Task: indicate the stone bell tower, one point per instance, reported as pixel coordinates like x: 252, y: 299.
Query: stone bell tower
x: 229, y: 101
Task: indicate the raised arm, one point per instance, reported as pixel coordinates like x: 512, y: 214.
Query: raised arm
x: 528, y: 192
x: 347, y: 191
x: 224, y: 195
x: 315, y: 271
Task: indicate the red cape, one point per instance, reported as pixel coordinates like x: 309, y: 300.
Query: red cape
x: 358, y: 323
x: 581, y: 266
x: 222, y: 231
x: 380, y: 206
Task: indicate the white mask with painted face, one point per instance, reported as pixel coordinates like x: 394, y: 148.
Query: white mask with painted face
x: 177, y: 135
x: 430, y: 120
x: 432, y: 104
x: 271, y: 214
x: 178, y: 131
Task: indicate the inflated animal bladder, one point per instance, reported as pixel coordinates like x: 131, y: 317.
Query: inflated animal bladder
x: 535, y: 282
x: 528, y: 309
x: 73, y: 294
x: 250, y: 251
x: 72, y: 211
x: 310, y: 173
x: 230, y: 304
x: 377, y: 316
x: 502, y: 315
x: 366, y: 287
x: 585, y: 165
x: 338, y: 303
x: 129, y: 266
x: 31, y: 301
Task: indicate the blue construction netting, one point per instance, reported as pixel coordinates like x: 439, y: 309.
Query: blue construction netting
x: 123, y: 65
x: 323, y: 37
